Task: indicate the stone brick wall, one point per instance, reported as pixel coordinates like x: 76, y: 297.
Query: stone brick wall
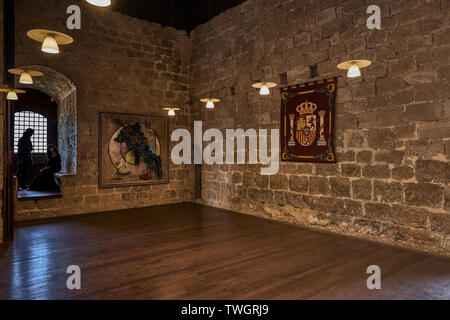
x: 393, y: 125
x: 118, y: 64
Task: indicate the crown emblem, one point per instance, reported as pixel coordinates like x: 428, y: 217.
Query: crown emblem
x: 306, y: 108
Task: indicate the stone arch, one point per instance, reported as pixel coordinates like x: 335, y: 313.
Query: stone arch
x: 64, y: 92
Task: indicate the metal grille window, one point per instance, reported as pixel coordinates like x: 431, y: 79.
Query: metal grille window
x: 29, y: 119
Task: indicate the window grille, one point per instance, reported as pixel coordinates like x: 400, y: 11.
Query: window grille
x: 29, y: 119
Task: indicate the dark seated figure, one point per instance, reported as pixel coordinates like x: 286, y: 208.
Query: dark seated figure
x: 45, y: 180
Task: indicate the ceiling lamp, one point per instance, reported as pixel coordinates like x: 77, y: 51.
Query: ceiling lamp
x: 171, y: 111
x: 353, y: 67
x: 264, y: 87
x: 210, y: 102
x: 12, y: 93
x: 26, y: 75
x: 100, y: 3
x: 50, y: 39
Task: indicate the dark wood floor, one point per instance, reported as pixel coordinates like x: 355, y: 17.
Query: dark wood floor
x: 193, y: 252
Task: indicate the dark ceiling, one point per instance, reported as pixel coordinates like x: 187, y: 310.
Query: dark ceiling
x: 180, y: 14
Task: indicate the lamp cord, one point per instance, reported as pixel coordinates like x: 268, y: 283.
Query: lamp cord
x: 209, y: 10
x: 170, y: 12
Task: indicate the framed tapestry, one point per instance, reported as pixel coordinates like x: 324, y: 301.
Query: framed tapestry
x: 133, y: 150
x: 307, y: 122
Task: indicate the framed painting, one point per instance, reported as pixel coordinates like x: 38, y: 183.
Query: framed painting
x: 307, y: 122
x: 133, y: 150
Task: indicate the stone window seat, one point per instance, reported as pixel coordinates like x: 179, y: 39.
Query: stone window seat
x: 37, y: 195
x: 25, y: 195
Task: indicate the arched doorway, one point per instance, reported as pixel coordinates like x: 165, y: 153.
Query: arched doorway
x: 64, y: 93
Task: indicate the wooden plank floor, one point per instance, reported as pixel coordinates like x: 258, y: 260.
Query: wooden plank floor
x: 188, y: 251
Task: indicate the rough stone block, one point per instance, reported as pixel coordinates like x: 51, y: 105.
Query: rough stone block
x: 377, y: 102
x: 426, y: 195
x: 377, y: 171
x: 298, y: 200
x: 364, y: 157
x: 369, y: 119
x: 286, y: 167
x: 378, y: 70
x: 440, y: 222
x: 415, y: 217
x: 279, y: 182
x: 298, y: 184
x: 260, y: 195
x: 326, y: 15
x: 335, y: 26
x: 326, y: 208
x: 388, y: 191
x: 405, y: 132
x: 388, y: 86
x: 337, y: 51
x: 327, y: 169
x: 364, y: 90
x: 340, y: 187
x: 350, y: 170
x: 403, y: 97
x: 346, y: 156
x: 302, y: 38
x: 402, y: 173
x: 381, y: 139
x: 355, y: 139
x: 392, y: 157
x: 407, y: 63
x: 304, y: 168
x: 362, y: 189
x: 366, y: 226
x: 431, y: 92
x: 431, y: 171
x: 262, y: 181
x: 443, y: 37
x: 392, y: 116
x: 439, y: 129
x: 401, y: 33
x: 425, y: 148
x: 424, y: 112
x: 319, y: 185
x: 89, y: 200
x: 346, y: 121
x: 378, y: 211
x: 353, y: 208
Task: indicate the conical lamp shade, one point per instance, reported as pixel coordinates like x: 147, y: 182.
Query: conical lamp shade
x: 25, y: 78
x: 50, y: 45
x: 12, y: 95
x: 354, y: 71
x: 264, y: 90
x: 100, y: 3
x: 210, y: 105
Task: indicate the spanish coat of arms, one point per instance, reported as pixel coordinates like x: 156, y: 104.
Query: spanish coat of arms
x: 307, y: 122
